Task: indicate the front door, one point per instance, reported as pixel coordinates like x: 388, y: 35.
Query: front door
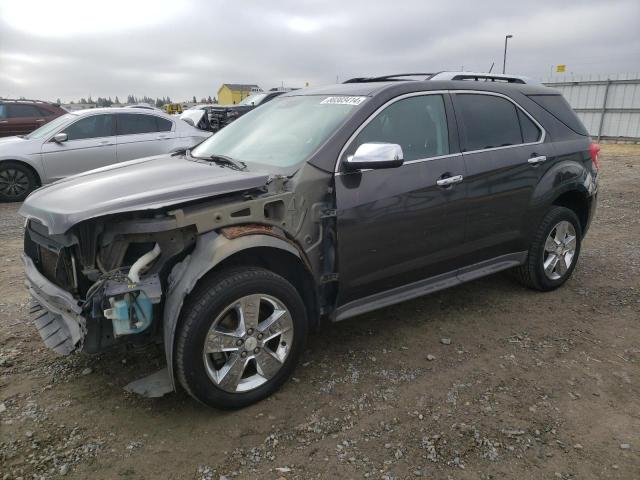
x: 398, y: 225
x: 504, y: 158
x: 91, y: 143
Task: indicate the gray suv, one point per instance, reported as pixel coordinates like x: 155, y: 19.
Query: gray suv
x: 322, y: 205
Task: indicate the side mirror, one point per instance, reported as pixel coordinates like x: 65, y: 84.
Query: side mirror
x: 375, y: 155
x: 60, y: 137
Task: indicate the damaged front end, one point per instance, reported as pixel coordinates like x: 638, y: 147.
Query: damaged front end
x: 100, y: 283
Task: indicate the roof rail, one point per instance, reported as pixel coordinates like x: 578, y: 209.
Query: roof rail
x: 15, y: 100
x: 482, y: 77
x: 397, y: 77
x: 473, y: 76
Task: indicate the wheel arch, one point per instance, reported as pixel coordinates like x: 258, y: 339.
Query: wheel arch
x: 214, y: 252
x: 33, y: 170
x: 578, y: 201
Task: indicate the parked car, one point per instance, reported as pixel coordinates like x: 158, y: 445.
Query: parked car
x: 322, y: 205
x: 214, y: 117
x: 88, y: 139
x: 19, y: 117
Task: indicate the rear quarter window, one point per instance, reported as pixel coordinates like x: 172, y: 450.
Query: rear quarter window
x: 557, y: 106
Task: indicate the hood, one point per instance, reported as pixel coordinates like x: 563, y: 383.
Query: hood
x: 17, y: 146
x: 146, y: 183
x: 194, y: 115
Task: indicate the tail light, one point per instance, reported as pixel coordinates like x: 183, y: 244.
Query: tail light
x: 594, y: 150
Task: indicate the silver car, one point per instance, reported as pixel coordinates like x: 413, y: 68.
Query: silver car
x: 88, y: 139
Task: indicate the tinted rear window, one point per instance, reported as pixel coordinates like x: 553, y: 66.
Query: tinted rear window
x: 132, y: 123
x: 488, y: 121
x: 557, y: 106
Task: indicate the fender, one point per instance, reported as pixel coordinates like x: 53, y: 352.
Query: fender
x: 562, y: 177
x: 210, y: 250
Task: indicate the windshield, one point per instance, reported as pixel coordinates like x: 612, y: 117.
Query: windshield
x: 52, y: 126
x: 253, y: 99
x: 283, y: 133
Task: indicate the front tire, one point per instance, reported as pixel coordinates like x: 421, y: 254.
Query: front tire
x: 554, y: 251
x: 17, y: 181
x: 242, y: 333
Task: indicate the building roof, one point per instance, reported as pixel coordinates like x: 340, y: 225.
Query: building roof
x: 240, y: 86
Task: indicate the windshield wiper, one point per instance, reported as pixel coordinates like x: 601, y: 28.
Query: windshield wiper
x: 224, y: 160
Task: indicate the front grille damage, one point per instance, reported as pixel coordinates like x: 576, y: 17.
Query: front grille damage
x: 117, y: 285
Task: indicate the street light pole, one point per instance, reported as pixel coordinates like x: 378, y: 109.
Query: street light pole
x: 504, y: 60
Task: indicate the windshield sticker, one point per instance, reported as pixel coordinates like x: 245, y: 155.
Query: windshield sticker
x: 343, y: 100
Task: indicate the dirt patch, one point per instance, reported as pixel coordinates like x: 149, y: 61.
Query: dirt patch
x: 530, y: 385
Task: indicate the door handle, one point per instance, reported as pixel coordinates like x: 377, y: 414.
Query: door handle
x: 106, y: 142
x: 448, y: 181
x: 161, y: 137
x: 4, y: 121
x: 537, y: 160
x: 40, y: 120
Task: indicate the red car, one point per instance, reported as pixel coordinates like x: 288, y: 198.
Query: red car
x: 19, y: 117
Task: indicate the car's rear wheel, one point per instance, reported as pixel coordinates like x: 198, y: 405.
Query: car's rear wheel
x: 242, y: 333
x: 17, y: 181
x: 554, y: 251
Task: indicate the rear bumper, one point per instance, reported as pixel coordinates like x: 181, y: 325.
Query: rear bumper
x: 55, y: 311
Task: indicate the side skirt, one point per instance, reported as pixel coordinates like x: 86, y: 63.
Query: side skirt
x: 429, y: 285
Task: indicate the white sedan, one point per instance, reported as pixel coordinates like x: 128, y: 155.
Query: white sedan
x: 88, y: 139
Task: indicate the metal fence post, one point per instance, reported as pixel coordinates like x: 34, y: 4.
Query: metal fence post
x: 603, y: 111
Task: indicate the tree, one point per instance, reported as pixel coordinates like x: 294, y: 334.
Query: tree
x: 90, y: 100
x: 58, y: 101
x: 210, y: 100
x: 117, y: 101
x: 194, y: 99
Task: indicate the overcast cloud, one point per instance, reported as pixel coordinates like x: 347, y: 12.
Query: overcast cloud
x: 75, y: 48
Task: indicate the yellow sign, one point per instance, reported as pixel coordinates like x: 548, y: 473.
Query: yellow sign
x: 561, y: 68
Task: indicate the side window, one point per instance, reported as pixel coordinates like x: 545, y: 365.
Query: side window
x: 95, y: 126
x: 3, y: 111
x: 18, y: 110
x: 44, y: 112
x: 530, y: 131
x: 488, y: 121
x: 135, y: 123
x: 164, y: 125
x: 418, y: 124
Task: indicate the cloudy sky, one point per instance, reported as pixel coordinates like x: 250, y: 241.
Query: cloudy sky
x: 75, y: 48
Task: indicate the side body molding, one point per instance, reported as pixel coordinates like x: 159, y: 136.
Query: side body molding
x: 211, y: 249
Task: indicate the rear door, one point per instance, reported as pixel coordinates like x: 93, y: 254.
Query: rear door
x: 143, y: 135
x: 22, y: 118
x: 504, y: 152
x: 91, y: 143
x: 397, y: 225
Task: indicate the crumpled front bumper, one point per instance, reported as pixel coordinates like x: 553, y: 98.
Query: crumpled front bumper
x: 55, y: 312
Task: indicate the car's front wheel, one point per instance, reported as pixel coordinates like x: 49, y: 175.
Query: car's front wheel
x: 554, y: 251
x: 17, y: 181
x: 240, y: 338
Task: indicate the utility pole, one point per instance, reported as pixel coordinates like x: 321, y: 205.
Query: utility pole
x: 504, y: 59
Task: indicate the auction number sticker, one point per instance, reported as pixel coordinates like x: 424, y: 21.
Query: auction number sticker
x: 343, y: 100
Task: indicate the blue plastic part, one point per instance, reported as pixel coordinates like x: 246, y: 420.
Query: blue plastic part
x: 120, y: 310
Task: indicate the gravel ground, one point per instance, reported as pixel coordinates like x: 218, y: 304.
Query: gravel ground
x: 486, y: 380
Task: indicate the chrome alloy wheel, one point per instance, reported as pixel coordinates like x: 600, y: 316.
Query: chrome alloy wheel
x: 13, y: 182
x: 559, y: 250
x: 248, y: 343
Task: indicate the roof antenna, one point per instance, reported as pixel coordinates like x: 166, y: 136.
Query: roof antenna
x: 492, y: 64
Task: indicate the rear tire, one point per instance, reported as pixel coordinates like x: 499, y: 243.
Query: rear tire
x: 554, y: 251
x: 17, y: 181
x: 242, y: 333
